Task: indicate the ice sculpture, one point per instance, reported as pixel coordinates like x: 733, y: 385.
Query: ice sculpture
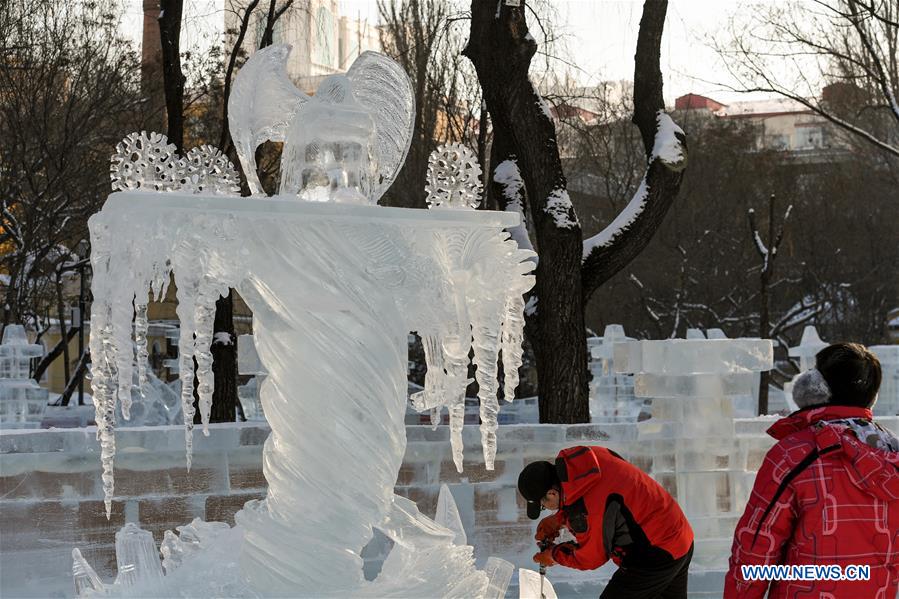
x: 454, y: 178
x: 334, y: 289
x: 809, y: 345
x: 22, y: 400
x: 611, y: 393
x: 533, y: 586
x: 448, y: 517
x: 695, y: 386
x: 148, y: 161
x: 136, y: 553
x: 344, y: 144
x: 888, y: 397
x: 328, y: 145
x: 331, y: 331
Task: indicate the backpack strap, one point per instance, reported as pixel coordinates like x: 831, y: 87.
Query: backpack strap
x: 791, y: 475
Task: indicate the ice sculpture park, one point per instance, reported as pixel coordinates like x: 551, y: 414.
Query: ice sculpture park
x: 333, y: 496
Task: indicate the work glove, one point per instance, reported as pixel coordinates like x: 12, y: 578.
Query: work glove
x: 548, y: 529
x: 545, y: 557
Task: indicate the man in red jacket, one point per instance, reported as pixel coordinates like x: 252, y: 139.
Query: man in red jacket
x: 615, y: 511
x: 826, y: 494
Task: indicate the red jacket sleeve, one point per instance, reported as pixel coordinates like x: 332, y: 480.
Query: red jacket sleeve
x: 588, y: 554
x: 758, y: 542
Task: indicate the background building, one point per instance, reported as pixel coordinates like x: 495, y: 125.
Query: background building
x: 324, y: 41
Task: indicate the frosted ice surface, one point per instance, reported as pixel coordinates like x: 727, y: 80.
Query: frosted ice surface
x: 22, y: 400
x: 499, y: 574
x: 87, y: 582
x: 247, y: 357
x: 888, y: 397
x: 692, y: 385
x: 448, y: 515
x: 684, y: 356
x: 695, y: 334
x: 529, y: 586
x: 136, y: 553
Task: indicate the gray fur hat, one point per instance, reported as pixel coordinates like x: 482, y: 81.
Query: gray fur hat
x: 810, y: 388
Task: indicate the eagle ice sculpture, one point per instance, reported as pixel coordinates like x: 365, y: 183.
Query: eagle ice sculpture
x: 344, y: 144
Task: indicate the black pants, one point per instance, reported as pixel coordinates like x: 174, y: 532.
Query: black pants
x: 663, y: 582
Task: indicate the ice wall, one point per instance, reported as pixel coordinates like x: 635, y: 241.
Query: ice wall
x: 611, y: 393
x: 695, y: 386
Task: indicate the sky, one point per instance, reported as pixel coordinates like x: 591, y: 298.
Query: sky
x: 599, y: 37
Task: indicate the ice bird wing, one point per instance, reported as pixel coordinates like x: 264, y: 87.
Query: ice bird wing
x: 382, y: 87
x: 262, y: 104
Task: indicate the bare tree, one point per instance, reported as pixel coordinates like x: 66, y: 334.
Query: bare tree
x: 768, y: 254
x: 70, y: 86
x: 425, y: 38
x: 570, y: 269
x: 796, y: 48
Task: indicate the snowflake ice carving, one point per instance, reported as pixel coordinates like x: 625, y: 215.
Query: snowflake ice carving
x: 148, y: 161
x: 144, y: 161
x: 454, y: 178
x: 207, y: 170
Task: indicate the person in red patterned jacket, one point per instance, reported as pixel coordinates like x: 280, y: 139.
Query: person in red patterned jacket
x: 828, y: 492
x: 615, y: 511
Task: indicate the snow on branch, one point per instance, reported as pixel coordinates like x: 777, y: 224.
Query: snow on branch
x: 507, y: 174
x: 621, y: 223
x: 669, y: 149
x: 756, y: 237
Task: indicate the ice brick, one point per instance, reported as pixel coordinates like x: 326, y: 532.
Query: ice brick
x: 692, y: 385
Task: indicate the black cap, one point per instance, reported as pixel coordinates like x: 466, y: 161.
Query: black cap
x: 534, y: 481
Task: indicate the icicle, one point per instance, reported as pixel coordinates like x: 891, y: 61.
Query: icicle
x: 123, y: 351
x: 435, y: 377
x: 187, y: 291
x: 204, y: 321
x: 140, y: 341
x: 512, y: 337
x: 455, y: 349
x: 104, y: 394
x: 486, y: 353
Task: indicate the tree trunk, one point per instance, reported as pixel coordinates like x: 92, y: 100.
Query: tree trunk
x: 501, y: 50
x: 173, y: 78
x: 224, y: 362
x: 53, y: 354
